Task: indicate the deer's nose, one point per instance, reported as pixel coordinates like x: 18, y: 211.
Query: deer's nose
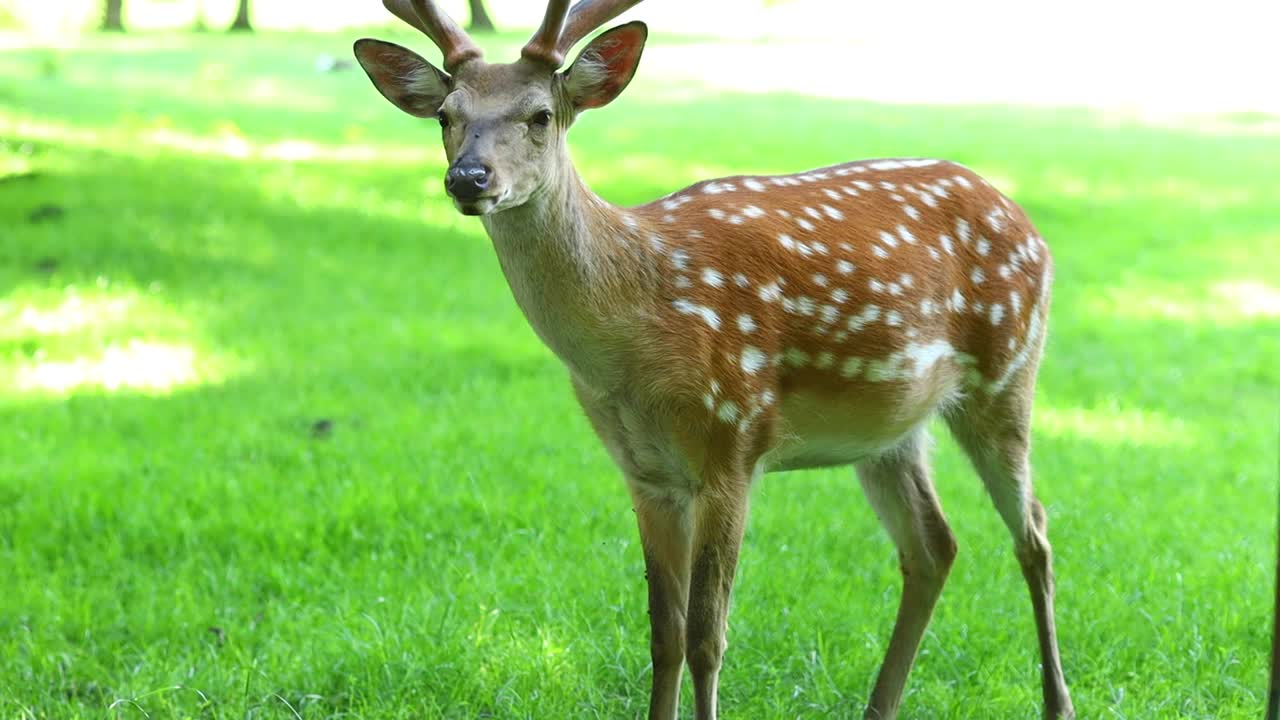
x: 466, y: 181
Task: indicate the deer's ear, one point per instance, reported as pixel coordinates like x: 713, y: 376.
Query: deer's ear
x: 605, y: 66
x: 403, y: 77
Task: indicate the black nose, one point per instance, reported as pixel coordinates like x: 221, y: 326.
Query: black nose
x: 466, y: 181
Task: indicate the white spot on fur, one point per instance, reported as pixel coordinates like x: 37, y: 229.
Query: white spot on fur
x: 712, y: 277
x: 886, y: 165
x: 879, y: 252
x: 984, y: 246
x: 947, y: 245
x: 868, y: 315
x: 708, y: 315
x: 906, y: 235
x: 787, y: 241
x: 963, y: 232
x: 683, y: 282
x: 752, y: 211
x: 753, y: 360
x: 824, y: 360
x: 911, y: 211
x: 844, y: 267
x: 893, y: 318
x: 820, y: 280
x: 839, y: 295
x: 753, y: 185
x: 832, y: 213
x: 977, y: 276
x: 876, y: 286
x: 680, y: 259
x: 927, y: 355
x: 770, y: 292
x: 995, y: 219
x: 888, y: 238
x: 746, y: 324
x: 997, y: 313
x: 804, y: 224
x: 741, y: 280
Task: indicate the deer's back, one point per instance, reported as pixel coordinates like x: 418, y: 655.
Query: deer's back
x: 841, y: 306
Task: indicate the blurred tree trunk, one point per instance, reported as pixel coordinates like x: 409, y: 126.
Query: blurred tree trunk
x: 113, y: 17
x: 480, y: 20
x: 242, y: 17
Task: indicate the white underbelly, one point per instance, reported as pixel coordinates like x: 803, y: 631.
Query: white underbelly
x: 816, y: 432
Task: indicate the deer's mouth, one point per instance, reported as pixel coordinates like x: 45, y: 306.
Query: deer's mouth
x: 477, y: 206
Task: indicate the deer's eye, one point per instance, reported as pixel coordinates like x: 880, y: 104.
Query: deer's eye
x: 444, y: 119
x: 542, y: 118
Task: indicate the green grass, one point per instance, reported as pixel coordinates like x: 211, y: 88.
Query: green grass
x: 247, y: 248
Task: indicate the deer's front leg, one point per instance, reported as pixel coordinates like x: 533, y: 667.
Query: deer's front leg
x: 720, y: 511
x: 665, y: 534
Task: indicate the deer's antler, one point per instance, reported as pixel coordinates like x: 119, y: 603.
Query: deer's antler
x: 456, y: 46
x: 587, y: 15
x: 558, y: 34
x: 543, y: 46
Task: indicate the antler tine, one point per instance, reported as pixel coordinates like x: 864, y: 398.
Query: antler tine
x: 587, y: 15
x: 543, y: 46
x: 456, y: 46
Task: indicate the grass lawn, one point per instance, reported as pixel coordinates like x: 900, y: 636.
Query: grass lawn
x: 277, y: 442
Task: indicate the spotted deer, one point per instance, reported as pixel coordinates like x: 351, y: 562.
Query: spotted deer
x: 751, y: 324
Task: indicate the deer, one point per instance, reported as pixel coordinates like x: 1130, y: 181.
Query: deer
x: 751, y: 324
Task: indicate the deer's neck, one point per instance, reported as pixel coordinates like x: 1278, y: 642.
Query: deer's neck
x: 575, y: 265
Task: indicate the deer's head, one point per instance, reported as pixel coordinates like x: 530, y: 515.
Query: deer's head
x: 503, y: 125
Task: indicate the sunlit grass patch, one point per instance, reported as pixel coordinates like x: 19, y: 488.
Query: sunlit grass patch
x: 102, y: 339
x: 1114, y: 426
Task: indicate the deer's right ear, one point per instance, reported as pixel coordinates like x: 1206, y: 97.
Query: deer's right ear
x: 403, y: 77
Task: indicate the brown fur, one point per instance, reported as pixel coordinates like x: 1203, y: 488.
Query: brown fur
x: 872, y: 296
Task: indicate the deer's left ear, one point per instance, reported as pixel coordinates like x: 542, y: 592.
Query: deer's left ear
x: 605, y: 66
x: 403, y: 77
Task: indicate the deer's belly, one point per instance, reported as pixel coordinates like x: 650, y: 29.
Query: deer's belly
x: 826, y: 430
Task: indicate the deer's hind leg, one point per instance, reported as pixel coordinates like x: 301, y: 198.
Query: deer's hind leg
x: 995, y: 432
x: 900, y: 489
